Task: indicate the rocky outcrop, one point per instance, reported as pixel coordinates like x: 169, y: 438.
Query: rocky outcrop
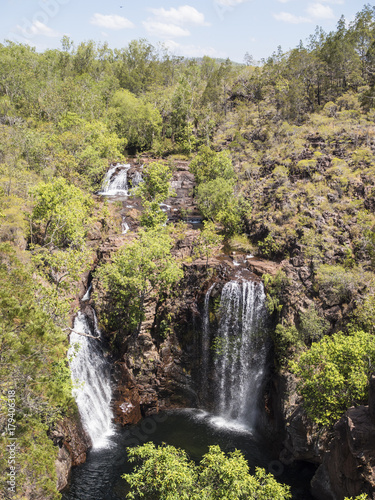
x: 73, y: 444
x: 303, y: 440
x: 348, y: 467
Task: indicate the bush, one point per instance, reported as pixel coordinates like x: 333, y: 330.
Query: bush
x: 286, y: 339
x: 166, y: 473
x: 334, y: 374
x: 313, y: 326
x: 339, y: 283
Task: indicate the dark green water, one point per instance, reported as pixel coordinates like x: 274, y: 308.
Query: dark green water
x: 193, y: 430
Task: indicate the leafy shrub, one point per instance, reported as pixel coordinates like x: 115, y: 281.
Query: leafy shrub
x: 313, y: 326
x: 287, y: 340
x: 334, y: 374
x: 166, y: 473
x: 275, y: 287
x: 339, y: 283
x: 209, y: 165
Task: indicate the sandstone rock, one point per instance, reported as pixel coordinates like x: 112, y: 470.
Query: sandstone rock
x: 73, y: 443
x: 63, y: 466
x: 333, y: 314
x: 349, y: 463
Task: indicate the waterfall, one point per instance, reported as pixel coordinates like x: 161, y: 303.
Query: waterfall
x: 87, y: 294
x: 206, y: 343
x: 91, y: 379
x: 116, y: 181
x: 124, y: 226
x: 136, y: 179
x: 240, y: 352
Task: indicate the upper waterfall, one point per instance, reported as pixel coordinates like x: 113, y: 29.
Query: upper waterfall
x: 91, y: 379
x: 116, y: 180
x: 240, y: 352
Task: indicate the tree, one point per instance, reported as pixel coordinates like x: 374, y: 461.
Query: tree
x: 156, y: 182
x: 154, y: 190
x: 334, y: 374
x: 208, y: 241
x: 208, y: 165
x: 217, y: 202
x: 166, y: 473
x: 59, y: 222
x: 134, y: 119
x: 60, y: 215
x: 34, y: 378
x: 138, y: 271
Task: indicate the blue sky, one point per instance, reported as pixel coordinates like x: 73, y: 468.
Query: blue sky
x: 218, y: 28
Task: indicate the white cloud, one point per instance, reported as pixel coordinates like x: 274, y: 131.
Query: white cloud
x: 230, y: 3
x: 320, y: 11
x: 185, y: 14
x: 192, y: 50
x: 111, y: 21
x: 287, y: 17
x: 283, y: 1
x: 335, y: 2
x: 37, y: 28
x: 164, y: 30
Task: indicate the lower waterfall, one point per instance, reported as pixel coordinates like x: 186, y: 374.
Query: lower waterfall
x: 240, y: 352
x: 91, y: 379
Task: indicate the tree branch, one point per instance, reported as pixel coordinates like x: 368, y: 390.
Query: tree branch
x: 82, y: 334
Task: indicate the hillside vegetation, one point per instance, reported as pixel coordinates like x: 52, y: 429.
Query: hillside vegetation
x: 284, y: 158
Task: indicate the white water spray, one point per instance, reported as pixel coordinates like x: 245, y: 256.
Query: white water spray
x: 116, y: 181
x: 91, y: 379
x: 240, y: 352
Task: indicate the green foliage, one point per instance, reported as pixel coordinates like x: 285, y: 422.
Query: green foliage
x: 152, y: 215
x: 287, y: 340
x: 154, y: 190
x: 338, y: 283
x: 134, y: 119
x: 269, y: 247
x: 275, y: 287
x: 364, y: 314
x: 166, y: 473
x: 142, y: 269
x: 217, y: 202
x: 156, y: 182
x: 59, y: 222
x: 313, y: 325
x: 241, y: 243
x: 208, y: 241
x: 334, y: 374
x: 33, y: 364
x: 363, y: 496
x: 209, y: 165
x: 60, y: 215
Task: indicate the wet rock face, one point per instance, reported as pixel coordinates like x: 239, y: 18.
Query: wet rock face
x: 126, y: 398
x: 73, y: 443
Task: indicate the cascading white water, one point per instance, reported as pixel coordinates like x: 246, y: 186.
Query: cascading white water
x: 206, y: 343
x: 124, y: 226
x: 91, y: 379
x: 87, y: 294
x: 137, y: 179
x: 116, y: 181
x: 240, y: 352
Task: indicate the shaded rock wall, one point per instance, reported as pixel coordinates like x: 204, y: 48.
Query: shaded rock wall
x: 348, y: 466
x: 73, y: 444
